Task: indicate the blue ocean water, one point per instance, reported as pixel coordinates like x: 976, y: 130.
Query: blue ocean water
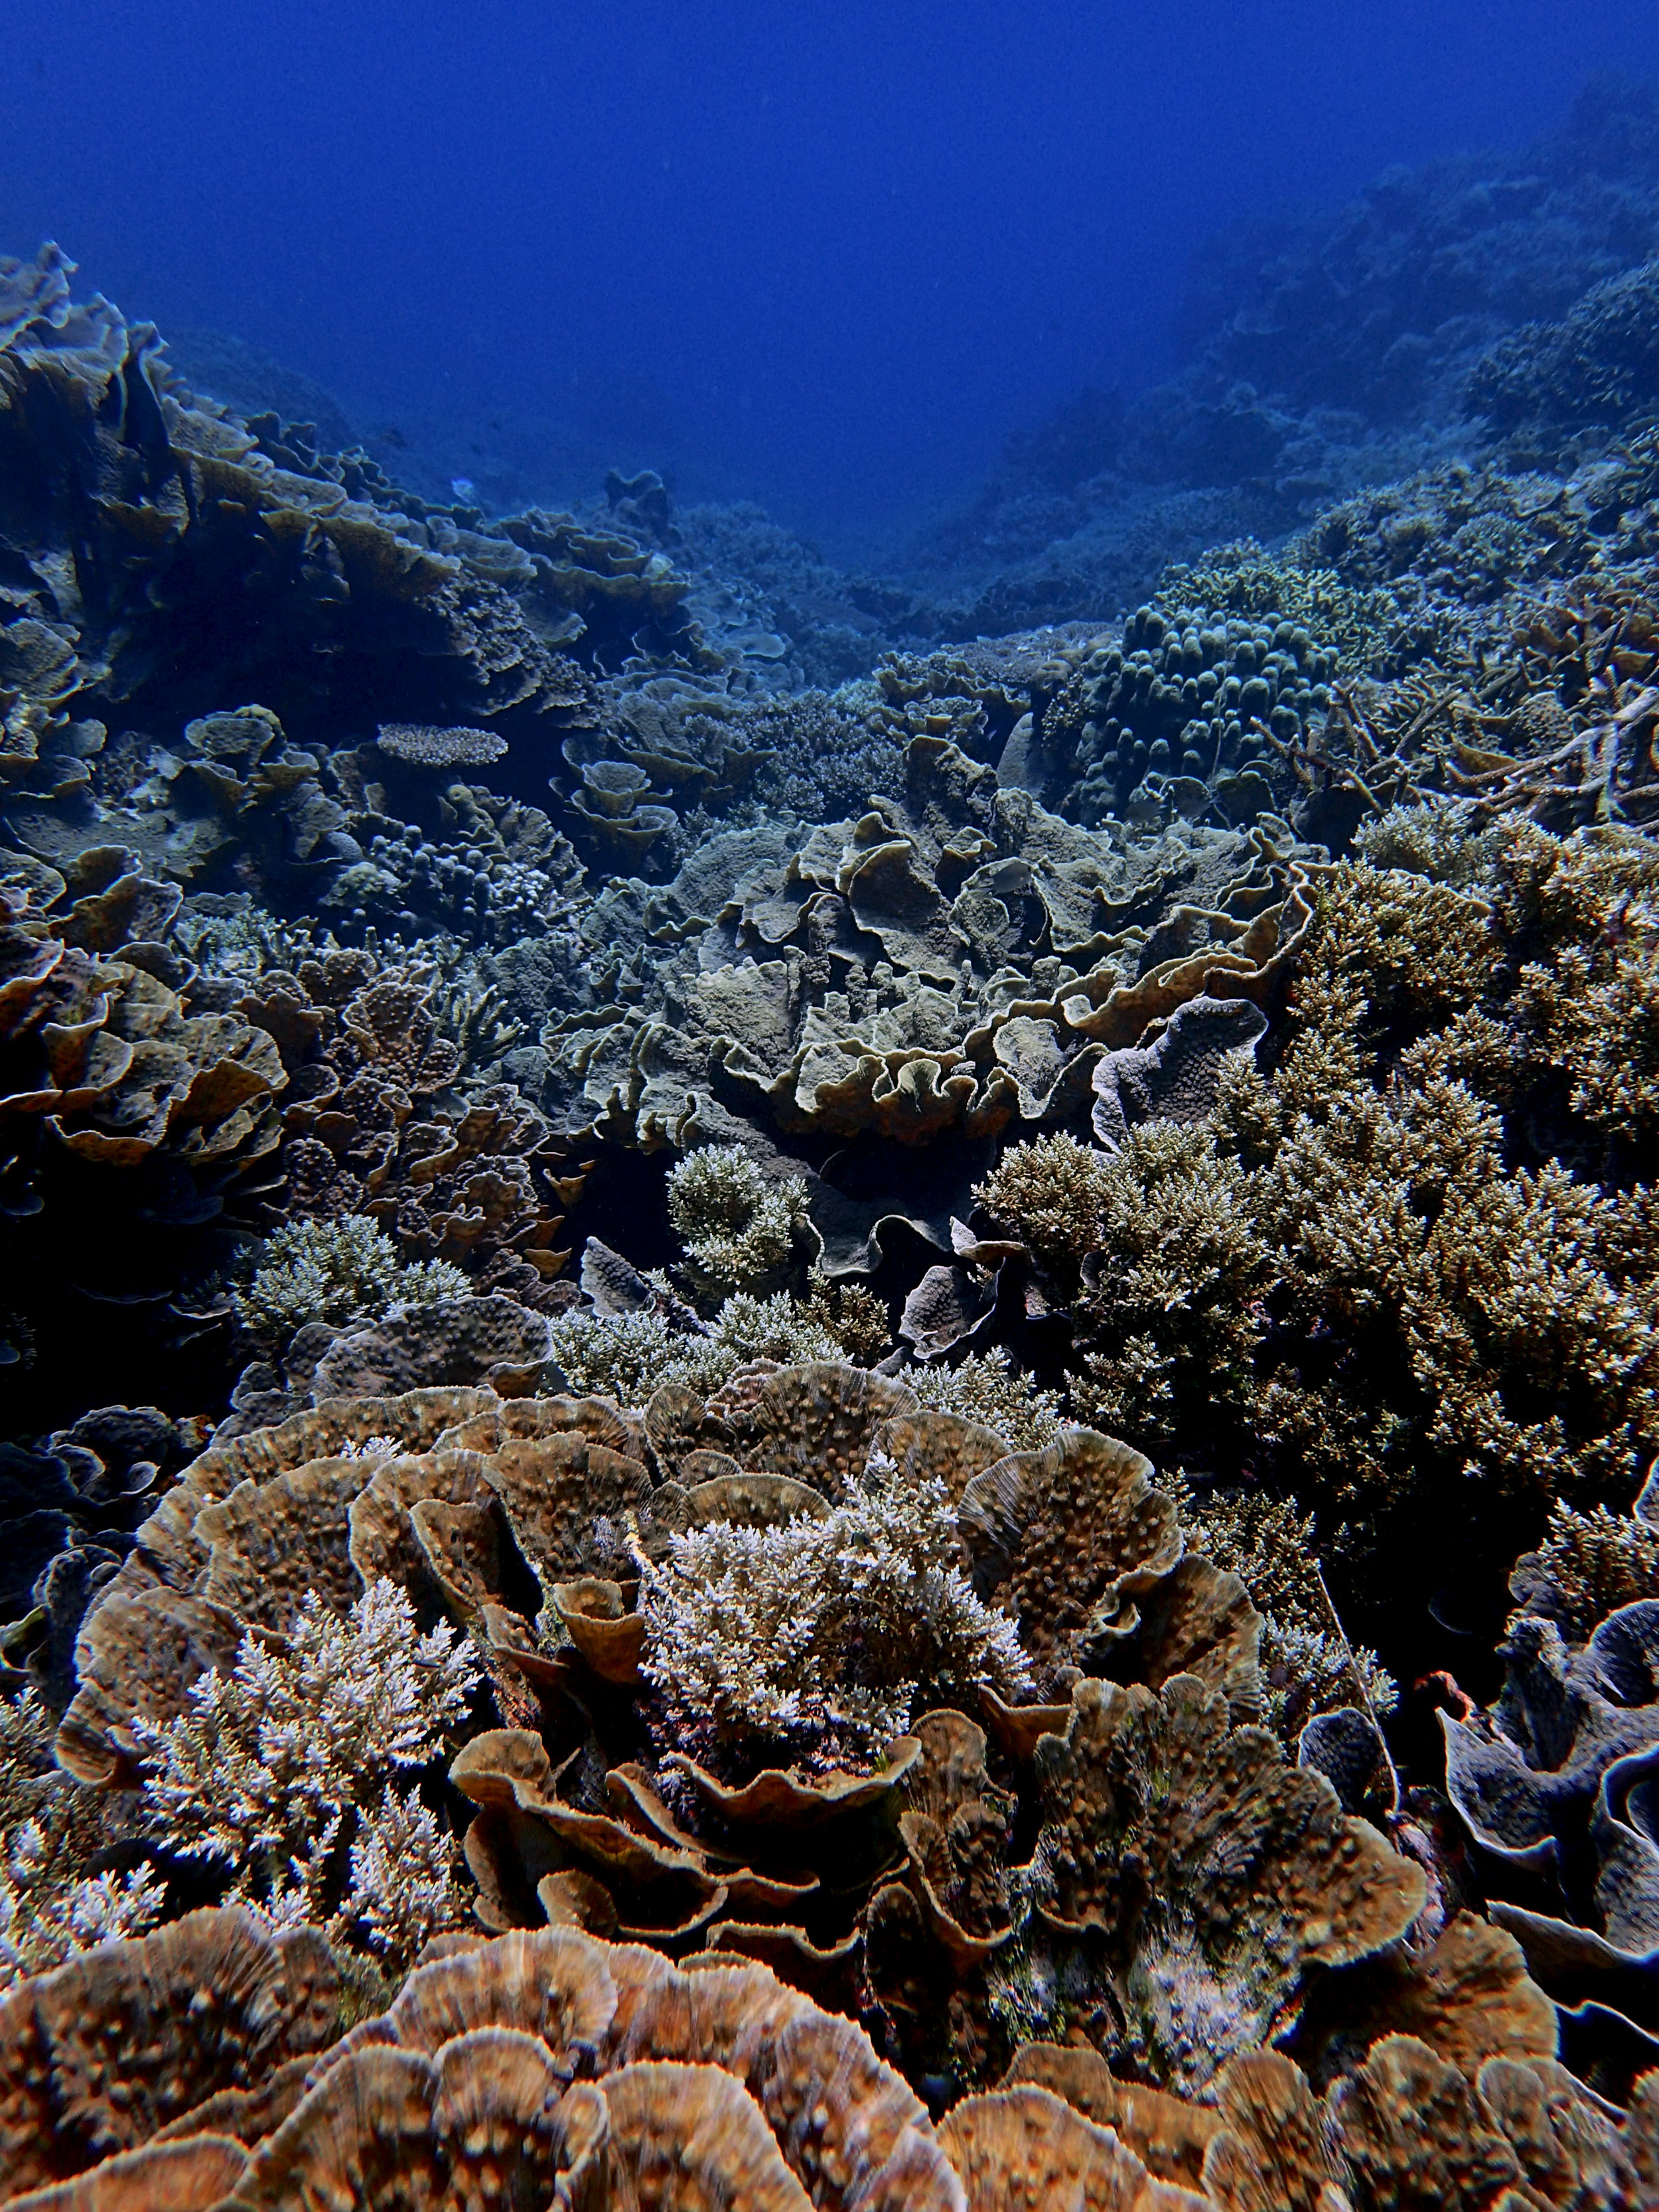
x: 825, y: 258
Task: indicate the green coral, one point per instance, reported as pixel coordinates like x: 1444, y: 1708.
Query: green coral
x: 1588, y: 1565
x: 338, y: 1270
x: 1054, y: 1190
x: 629, y: 1356
x: 735, y: 1225
x: 1383, y: 1276
x: 852, y: 1314
x: 1586, y: 909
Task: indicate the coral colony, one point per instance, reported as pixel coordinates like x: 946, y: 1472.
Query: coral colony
x: 829, y: 1391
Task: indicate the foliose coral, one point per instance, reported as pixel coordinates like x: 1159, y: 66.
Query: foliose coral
x: 1128, y: 1148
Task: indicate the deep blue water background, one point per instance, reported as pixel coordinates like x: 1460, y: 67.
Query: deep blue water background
x: 827, y: 258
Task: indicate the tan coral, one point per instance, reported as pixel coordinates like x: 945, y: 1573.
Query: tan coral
x: 382, y: 1543
x: 1170, y: 2136
x: 523, y: 1830
x: 557, y: 1490
x: 136, y: 1657
x: 814, y: 1423
x: 596, y: 1616
x: 1023, y: 2146
x: 690, y: 2139
x: 507, y: 1420
x: 1199, y: 1620
x: 1064, y: 1538
x: 1269, y: 2153
x: 944, y: 1446
x: 193, y: 2176
x: 1214, y: 1874
x: 489, y: 2120
x: 101, y: 2055
x: 954, y: 1831
x: 1411, y: 2129
x: 547, y: 1983
x: 1467, y: 1995
x: 271, y: 1545
x: 782, y: 1797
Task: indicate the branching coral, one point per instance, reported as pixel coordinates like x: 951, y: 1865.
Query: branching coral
x: 985, y: 1386
x: 734, y: 1225
x: 51, y: 1906
x: 335, y: 1271
x: 278, y: 1762
x: 1588, y: 1565
x: 1171, y: 1285
x: 808, y: 1642
x: 1052, y: 1190
x: 628, y: 1356
x: 1308, y: 1664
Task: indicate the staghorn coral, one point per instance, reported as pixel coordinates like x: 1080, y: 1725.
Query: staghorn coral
x: 810, y: 1642
x: 51, y: 1833
x: 1589, y: 1565
x: 735, y: 1226
x: 1175, y: 1269
x: 628, y: 1355
x: 1367, y: 1263
x: 334, y: 1270
x: 1054, y: 1190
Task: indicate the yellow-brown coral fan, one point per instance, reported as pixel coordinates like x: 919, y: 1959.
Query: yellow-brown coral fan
x: 1214, y: 1875
x: 717, y: 2086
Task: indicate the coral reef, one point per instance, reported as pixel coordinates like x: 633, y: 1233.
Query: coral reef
x: 770, y: 1365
